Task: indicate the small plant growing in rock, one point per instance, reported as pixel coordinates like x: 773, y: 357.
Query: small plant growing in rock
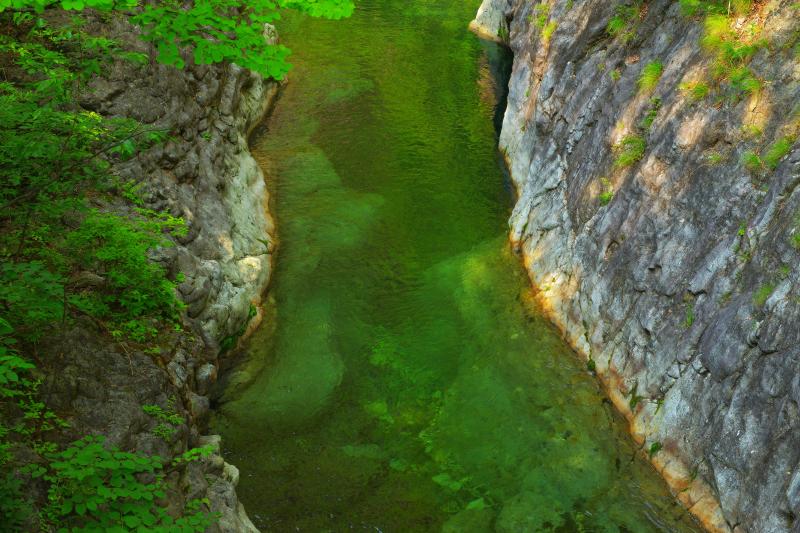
x: 650, y: 76
x: 654, y: 449
x: 778, y: 151
x: 634, y: 400
x: 762, y: 294
x: 167, y: 420
x: 752, y: 161
x: 732, y: 53
x: 607, y: 194
x: 695, y: 90
x: 687, y: 323
x: 624, y: 17
x: 630, y: 150
x: 502, y: 33
x: 652, y: 113
x: 714, y: 158
x: 548, y: 30
x: 541, y: 12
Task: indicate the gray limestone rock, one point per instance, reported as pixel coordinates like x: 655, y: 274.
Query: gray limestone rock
x: 685, y: 281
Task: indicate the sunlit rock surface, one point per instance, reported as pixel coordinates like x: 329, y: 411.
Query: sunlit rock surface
x: 205, y: 174
x: 683, y: 288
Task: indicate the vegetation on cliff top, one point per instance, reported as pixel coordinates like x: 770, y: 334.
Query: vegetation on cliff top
x: 75, y: 238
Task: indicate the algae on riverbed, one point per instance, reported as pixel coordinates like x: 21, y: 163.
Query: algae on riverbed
x: 409, y: 386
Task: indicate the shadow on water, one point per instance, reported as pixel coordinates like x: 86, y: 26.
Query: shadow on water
x: 501, y: 60
x: 408, y: 383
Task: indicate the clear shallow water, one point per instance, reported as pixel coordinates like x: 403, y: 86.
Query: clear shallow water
x: 408, y: 384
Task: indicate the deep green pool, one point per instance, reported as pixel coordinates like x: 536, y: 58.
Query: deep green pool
x: 406, y: 384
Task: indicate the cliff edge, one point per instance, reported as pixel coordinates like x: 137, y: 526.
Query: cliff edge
x: 657, y: 214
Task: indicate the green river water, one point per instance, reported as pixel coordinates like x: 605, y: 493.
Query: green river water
x: 404, y: 382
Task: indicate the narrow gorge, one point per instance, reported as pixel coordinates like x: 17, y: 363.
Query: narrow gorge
x: 537, y: 277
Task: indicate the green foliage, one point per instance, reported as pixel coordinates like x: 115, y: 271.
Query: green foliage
x: 752, y: 161
x: 53, y: 157
x: 714, y: 158
x: 99, y: 488
x: 752, y: 131
x: 214, y: 31
x: 548, y: 30
x: 727, y: 7
x: 651, y: 73
x: 732, y: 52
x: 630, y: 150
x: 445, y: 480
x: 731, y: 45
x: 622, y: 23
x: 689, y: 315
x: 762, y: 294
x: 634, y: 399
x: 652, y: 113
x: 167, y: 420
x: 607, y: 193
x: 134, y: 288
x: 541, y: 14
x: 696, y: 90
x: 540, y: 20
x: 654, y: 449
x: 31, y: 294
x: 778, y: 151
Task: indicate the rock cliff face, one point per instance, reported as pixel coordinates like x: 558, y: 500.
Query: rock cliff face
x: 676, y: 276
x: 206, y: 175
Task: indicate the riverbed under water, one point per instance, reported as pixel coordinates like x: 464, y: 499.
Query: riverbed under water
x: 405, y: 382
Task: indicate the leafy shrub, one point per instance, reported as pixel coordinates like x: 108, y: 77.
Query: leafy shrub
x: 214, y: 31
x: 134, y: 288
x: 167, y: 420
x: 93, y: 488
x: 630, y: 150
